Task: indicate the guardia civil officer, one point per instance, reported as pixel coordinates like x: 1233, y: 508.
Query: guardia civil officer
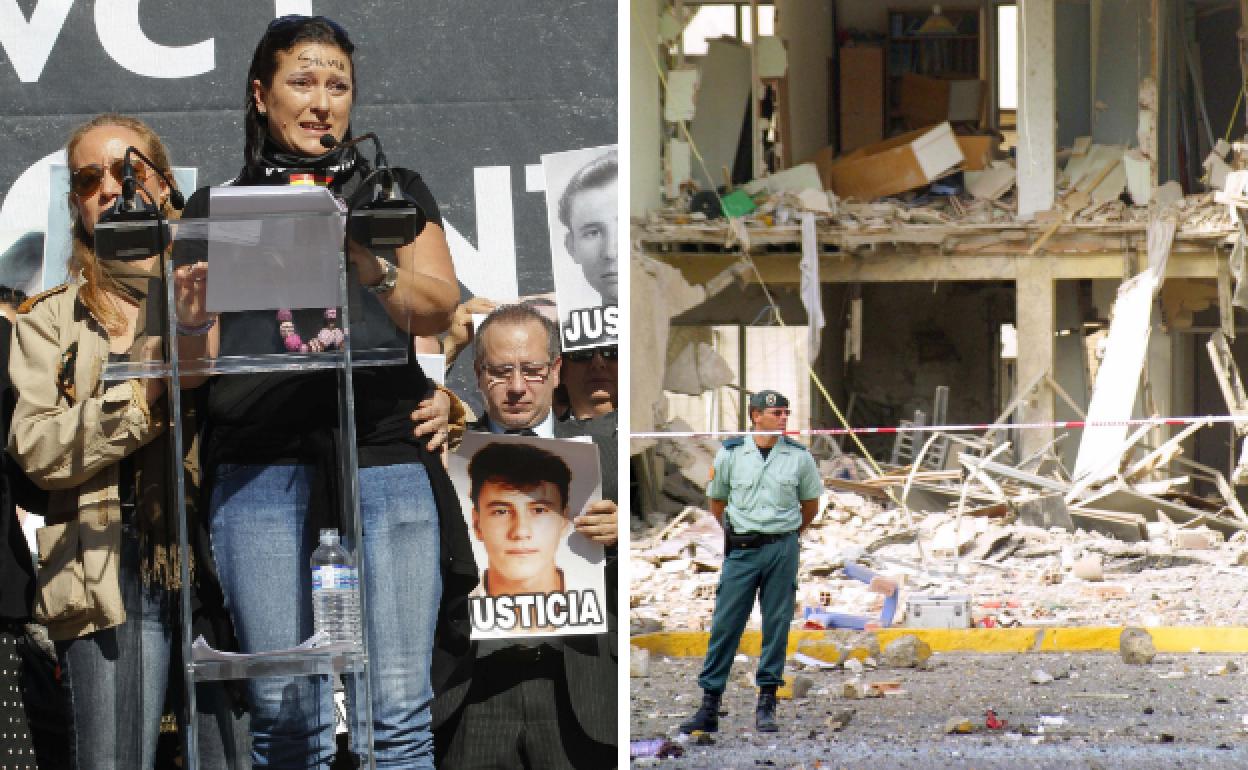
x: 764, y: 492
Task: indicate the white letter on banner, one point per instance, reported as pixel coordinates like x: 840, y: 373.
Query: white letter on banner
x: 490, y: 269
x: 292, y: 7
x: 28, y: 44
x: 117, y: 24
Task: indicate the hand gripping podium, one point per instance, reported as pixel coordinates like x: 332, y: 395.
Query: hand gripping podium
x: 272, y: 253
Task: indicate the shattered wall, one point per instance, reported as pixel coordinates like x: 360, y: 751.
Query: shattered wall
x: 806, y: 26
x: 645, y: 124
x: 1122, y: 58
x: 917, y: 336
x: 1073, y: 81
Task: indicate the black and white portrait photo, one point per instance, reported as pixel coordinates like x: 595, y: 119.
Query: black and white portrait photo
x: 582, y: 191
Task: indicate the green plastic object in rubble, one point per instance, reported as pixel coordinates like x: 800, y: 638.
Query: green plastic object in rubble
x: 737, y: 203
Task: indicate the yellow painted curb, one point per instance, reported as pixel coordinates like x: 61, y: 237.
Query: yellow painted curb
x: 692, y: 644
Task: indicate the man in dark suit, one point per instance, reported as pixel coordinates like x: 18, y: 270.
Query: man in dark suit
x: 544, y: 702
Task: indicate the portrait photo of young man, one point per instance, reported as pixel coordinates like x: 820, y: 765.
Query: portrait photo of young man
x: 539, y: 575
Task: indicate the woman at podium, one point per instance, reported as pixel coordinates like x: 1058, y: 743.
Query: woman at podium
x: 271, y: 441
x: 109, y: 560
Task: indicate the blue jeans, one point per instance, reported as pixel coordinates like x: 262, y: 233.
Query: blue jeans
x: 263, y: 545
x: 117, y: 679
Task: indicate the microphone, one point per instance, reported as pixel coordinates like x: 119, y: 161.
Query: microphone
x: 329, y: 142
x: 392, y: 218
x: 133, y: 228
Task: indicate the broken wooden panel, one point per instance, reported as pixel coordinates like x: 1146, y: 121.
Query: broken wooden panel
x: 1162, y: 455
x: 1127, y: 527
x: 1121, y: 498
x: 1229, y: 381
x: 1118, y: 379
x: 1029, y: 479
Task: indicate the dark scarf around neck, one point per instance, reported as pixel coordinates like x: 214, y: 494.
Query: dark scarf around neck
x: 276, y: 165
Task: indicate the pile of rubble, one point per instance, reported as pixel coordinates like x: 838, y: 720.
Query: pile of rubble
x: 1028, y: 546
x: 1014, y: 574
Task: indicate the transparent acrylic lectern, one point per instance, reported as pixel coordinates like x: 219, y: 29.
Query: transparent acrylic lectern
x: 271, y: 248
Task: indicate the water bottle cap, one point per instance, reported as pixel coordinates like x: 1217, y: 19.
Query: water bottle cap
x: 329, y: 537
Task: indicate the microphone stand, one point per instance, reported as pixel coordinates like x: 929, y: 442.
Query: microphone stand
x: 392, y: 218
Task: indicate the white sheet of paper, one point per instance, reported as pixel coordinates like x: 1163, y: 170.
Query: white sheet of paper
x: 682, y: 84
x: 273, y: 247
x: 433, y: 365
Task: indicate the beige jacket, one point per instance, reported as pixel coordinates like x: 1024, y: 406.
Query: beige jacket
x: 69, y: 434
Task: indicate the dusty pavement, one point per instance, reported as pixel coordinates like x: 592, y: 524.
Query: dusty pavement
x: 1098, y: 712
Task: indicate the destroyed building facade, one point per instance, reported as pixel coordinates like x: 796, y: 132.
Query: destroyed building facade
x: 1069, y: 259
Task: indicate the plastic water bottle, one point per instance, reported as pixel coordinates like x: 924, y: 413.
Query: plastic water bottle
x: 335, y: 591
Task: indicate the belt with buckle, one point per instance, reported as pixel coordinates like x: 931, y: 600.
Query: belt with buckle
x: 757, y: 539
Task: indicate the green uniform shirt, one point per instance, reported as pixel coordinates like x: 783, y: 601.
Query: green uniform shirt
x: 764, y: 495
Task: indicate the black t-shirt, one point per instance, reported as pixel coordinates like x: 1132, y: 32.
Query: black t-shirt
x: 291, y: 417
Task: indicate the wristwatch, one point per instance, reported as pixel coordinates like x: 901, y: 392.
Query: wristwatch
x: 389, y: 277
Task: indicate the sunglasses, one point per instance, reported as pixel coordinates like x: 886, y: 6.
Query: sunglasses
x: 585, y: 356
x: 86, y: 180
x: 778, y: 412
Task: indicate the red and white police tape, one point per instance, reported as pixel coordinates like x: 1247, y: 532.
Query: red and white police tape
x: 965, y: 428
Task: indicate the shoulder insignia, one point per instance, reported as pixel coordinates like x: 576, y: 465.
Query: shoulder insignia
x: 734, y: 442
x: 29, y: 303
x: 794, y: 442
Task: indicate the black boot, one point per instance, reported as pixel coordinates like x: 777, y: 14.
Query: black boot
x: 765, y: 714
x: 707, y: 717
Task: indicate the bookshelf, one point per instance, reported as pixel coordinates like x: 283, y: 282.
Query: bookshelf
x: 953, y: 54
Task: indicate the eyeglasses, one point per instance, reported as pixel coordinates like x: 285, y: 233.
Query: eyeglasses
x: 778, y: 412
x: 86, y: 179
x: 530, y: 371
x: 585, y: 356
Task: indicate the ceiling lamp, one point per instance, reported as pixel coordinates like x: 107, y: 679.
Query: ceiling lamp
x: 937, y: 24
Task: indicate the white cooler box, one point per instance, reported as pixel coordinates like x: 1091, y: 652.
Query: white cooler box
x: 938, y: 611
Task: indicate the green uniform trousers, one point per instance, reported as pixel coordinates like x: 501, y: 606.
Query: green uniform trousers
x: 770, y: 571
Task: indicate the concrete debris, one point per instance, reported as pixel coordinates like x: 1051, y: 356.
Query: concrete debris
x: 839, y: 719
x: 1089, y: 568
x: 639, y: 662
x: 991, y: 183
x: 959, y: 726
x: 854, y: 689
x: 800, y: 687
x: 1136, y: 647
x: 907, y: 651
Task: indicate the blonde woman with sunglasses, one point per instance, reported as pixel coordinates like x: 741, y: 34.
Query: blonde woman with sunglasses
x: 108, y: 557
